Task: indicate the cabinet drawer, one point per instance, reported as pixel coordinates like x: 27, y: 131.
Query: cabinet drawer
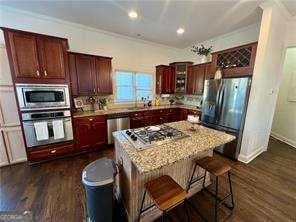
x: 49, y: 152
x: 99, y: 118
x: 137, y: 114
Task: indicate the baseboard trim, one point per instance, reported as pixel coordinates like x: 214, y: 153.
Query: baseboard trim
x: 283, y: 139
x: 250, y: 157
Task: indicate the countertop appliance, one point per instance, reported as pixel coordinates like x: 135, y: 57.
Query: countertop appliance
x: 55, y: 126
x: 145, y: 137
x: 42, y: 96
x: 116, y: 122
x: 224, y: 107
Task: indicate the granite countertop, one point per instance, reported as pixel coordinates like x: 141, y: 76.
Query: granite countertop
x: 203, y: 139
x: 129, y: 110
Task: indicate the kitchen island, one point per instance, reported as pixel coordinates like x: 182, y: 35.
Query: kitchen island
x: 174, y: 158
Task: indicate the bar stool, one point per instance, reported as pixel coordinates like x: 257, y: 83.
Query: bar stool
x: 216, y: 168
x: 165, y: 193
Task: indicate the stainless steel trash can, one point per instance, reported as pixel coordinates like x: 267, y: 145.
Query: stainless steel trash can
x: 98, y: 180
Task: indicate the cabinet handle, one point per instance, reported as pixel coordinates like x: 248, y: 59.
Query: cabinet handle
x: 53, y: 151
x: 94, y: 90
x: 37, y: 73
x: 45, y: 73
x: 90, y: 119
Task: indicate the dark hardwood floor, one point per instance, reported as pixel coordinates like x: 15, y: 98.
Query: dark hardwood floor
x: 265, y: 189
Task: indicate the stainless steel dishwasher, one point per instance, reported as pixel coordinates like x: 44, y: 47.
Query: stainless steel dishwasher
x: 115, y: 122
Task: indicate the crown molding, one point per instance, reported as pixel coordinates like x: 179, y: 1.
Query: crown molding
x: 80, y: 26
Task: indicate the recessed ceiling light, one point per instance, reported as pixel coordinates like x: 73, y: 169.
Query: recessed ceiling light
x: 133, y: 15
x: 180, y: 31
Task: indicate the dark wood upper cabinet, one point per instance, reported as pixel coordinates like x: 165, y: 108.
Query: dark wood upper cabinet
x: 195, y: 79
x: 165, y: 79
x: 24, y: 55
x: 90, y: 75
x: 85, y: 75
x: 53, y: 57
x: 103, y: 75
x: 190, y: 80
x: 35, y: 57
x: 237, y: 61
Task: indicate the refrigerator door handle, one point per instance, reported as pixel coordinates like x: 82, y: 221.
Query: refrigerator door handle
x: 217, y: 102
x: 220, y: 102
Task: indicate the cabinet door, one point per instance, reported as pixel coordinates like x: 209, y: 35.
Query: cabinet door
x: 103, y: 75
x: 83, y: 134
x: 137, y: 122
x: 85, y: 75
x: 15, y: 145
x: 52, y: 58
x: 8, y: 108
x: 171, y: 82
x: 158, y: 84
x: 199, y: 79
x: 24, y: 55
x: 99, y: 133
x: 3, y: 154
x: 190, y: 80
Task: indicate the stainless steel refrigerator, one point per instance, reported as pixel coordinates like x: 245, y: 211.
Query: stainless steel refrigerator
x: 224, y: 108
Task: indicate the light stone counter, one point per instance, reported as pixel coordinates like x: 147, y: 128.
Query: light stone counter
x: 202, y: 139
x: 128, y: 110
x: 176, y: 159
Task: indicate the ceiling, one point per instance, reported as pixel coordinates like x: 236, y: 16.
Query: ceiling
x: 157, y: 21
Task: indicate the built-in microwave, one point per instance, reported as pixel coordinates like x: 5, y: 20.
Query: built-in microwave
x: 42, y: 96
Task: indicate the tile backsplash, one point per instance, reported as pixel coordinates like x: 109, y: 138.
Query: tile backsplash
x: 191, y: 100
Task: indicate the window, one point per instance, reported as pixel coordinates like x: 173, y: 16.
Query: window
x: 132, y: 86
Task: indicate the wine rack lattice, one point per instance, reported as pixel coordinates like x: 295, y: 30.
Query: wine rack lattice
x: 236, y: 58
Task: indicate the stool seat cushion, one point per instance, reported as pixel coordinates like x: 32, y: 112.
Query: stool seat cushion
x: 213, y: 166
x: 165, y: 192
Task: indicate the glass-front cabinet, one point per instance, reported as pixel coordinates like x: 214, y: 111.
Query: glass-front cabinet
x: 181, y: 69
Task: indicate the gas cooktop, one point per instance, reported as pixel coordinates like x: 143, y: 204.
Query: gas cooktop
x: 145, y: 137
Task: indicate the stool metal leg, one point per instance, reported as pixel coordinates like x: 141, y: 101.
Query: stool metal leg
x: 230, y: 188
x: 204, y: 180
x: 216, y: 199
x: 191, y: 178
x: 142, y: 204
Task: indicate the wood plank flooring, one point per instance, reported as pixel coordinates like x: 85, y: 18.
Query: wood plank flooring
x: 265, y: 189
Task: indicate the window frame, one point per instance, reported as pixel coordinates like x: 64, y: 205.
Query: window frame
x: 134, y: 86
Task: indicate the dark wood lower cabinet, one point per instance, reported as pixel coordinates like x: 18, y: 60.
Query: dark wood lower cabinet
x: 90, y: 132
x: 155, y: 117
x: 50, y: 151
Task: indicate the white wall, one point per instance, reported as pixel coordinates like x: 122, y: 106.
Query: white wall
x: 238, y: 37
x: 127, y: 53
x: 284, y: 121
x: 265, y: 85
